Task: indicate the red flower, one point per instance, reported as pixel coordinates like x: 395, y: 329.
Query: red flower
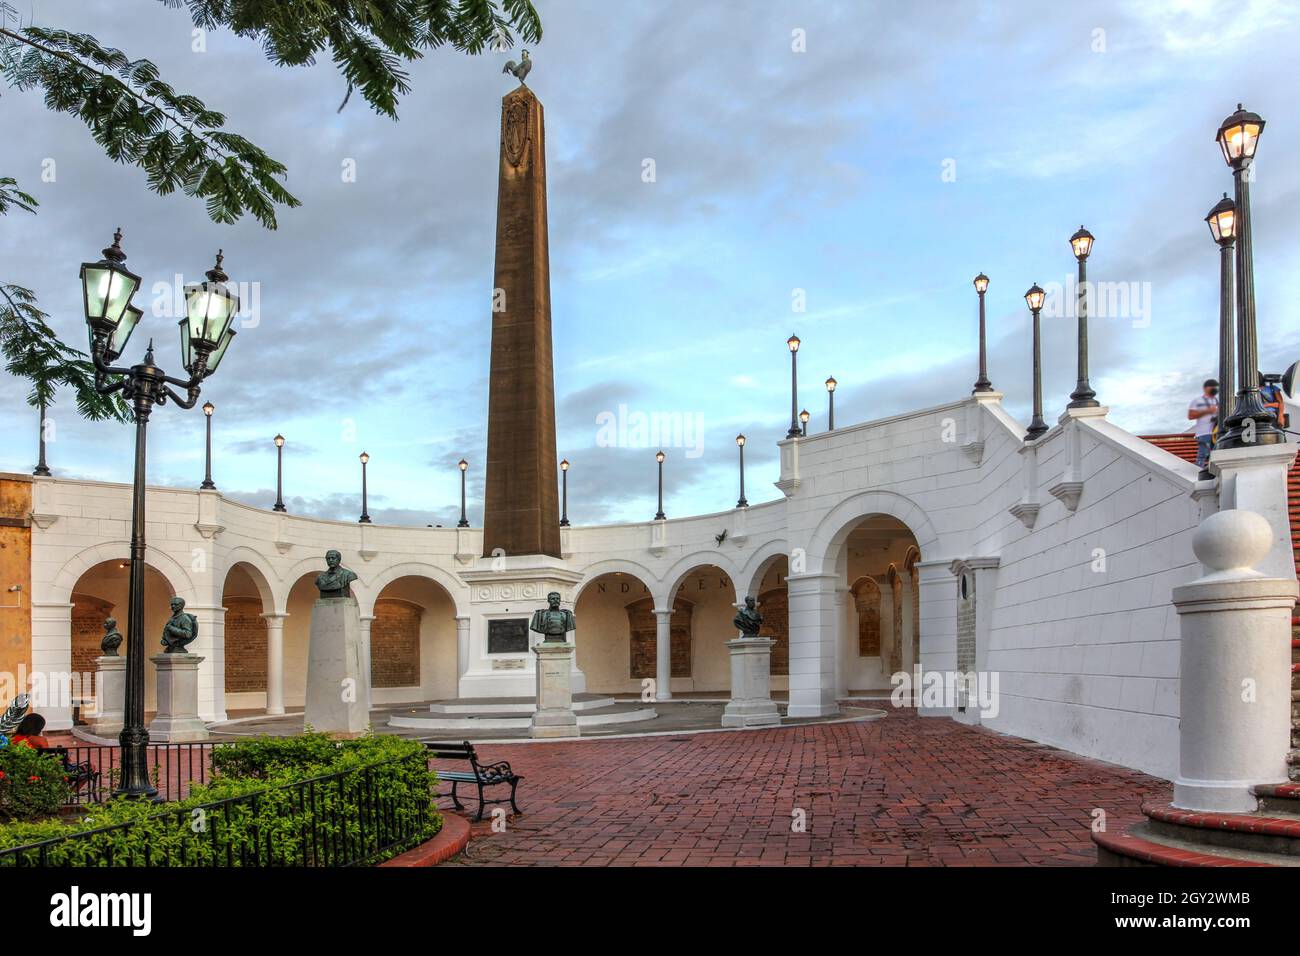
x: 33, y: 778
x: 2, y: 774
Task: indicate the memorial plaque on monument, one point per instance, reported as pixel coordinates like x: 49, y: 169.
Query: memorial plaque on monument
x: 508, y: 637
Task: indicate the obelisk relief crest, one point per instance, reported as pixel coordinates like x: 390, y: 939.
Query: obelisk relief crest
x: 514, y: 133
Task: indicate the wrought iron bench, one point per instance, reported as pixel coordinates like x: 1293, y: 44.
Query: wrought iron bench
x: 81, y: 776
x: 482, y: 775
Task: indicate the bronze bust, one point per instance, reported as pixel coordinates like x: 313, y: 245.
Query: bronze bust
x: 552, y: 621
x: 180, y: 630
x: 112, y: 639
x: 335, y: 581
x: 748, y: 620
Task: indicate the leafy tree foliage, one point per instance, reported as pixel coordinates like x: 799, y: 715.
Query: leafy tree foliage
x: 138, y: 118
x: 33, y: 351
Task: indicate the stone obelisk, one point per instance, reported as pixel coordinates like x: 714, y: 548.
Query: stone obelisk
x: 521, y: 507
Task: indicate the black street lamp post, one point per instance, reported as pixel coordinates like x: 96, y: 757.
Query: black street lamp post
x: 1222, y: 222
x: 1083, y: 396
x: 1250, y: 423
x: 803, y: 423
x: 365, y: 509
x: 279, y: 474
x: 463, y: 465
x: 107, y: 288
x: 208, y: 483
x: 742, y: 502
x: 830, y: 398
x: 982, y: 384
x: 1037, y: 427
x: 659, y: 515
x: 564, y: 493
x: 793, y: 344
x: 42, y: 469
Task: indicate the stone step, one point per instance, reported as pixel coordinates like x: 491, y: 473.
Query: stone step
x: 512, y: 705
x: 1279, y: 798
x: 1173, y: 837
x: 489, y: 719
x: 1253, y: 832
x: 1138, y: 846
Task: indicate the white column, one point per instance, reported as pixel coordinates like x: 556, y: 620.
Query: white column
x: 812, y: 626
x: 663, y: 654
x: 366, y: 686
x: 211, y: 646
x: 905, y: 596
x: 842, y: 640
x: 1235, y: 692
x: 274, y: 662
x: 462, y: 648
x: 938, y: 624
x: 51, y: 664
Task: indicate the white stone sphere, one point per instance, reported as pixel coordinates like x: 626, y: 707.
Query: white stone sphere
x: 1233, y: 539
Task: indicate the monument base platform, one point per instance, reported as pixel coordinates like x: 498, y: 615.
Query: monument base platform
x: 515, y: 713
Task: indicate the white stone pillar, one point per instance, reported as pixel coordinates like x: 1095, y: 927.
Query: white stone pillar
x: 210, y: 648
x: 938, y: 625
x: 110, y: 696
x: 1254, y: 479
x: 462, y: 648
x: 51, y: 663
x: 274, y: 662
x: 177, y: 719
x: 367, y: 687
x: 812, y: 626
x: 751, y: 703
x: 843, y: 638
x: 336, y: 691
x: 554, y: 716
x: 1234, y: 667
x: 908, y: 652
x: 663, y: 653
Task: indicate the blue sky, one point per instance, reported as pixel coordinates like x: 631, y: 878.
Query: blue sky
x: 873, y: 174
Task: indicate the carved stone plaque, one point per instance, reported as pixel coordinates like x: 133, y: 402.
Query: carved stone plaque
x: 508, y: 636
x: 515, y: 136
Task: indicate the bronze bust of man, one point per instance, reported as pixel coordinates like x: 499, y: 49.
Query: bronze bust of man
x: 748, y: 620
x: 553, y: 622
x: 180, y: 630
x: 335, y: 581
x: 112, y: 639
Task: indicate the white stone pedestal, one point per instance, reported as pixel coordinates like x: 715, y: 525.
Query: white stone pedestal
x: 554, y: 716
x: 177, y: 720
x: 335, y: 673
x: 751, y: 703
x: 110, y: 696
x: 1235, y: 673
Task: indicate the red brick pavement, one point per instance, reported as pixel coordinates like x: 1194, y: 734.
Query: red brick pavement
x: 897, y: 791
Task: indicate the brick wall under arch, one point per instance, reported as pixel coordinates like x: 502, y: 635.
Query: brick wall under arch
x: 88, y: 613
x: 774, y: 605
x: 866, y: 600
x: 245, y: 645
x: 643, y: 642
x: 395, y: 643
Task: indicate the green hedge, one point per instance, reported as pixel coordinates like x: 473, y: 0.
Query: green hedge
x: 294, y: 801
x: 32, y: 784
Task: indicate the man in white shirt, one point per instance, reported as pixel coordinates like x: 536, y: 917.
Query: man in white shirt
x: 1203, y: 410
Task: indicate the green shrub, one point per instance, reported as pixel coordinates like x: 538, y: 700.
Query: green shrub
x: 32, y: 784
x: 306, y: 801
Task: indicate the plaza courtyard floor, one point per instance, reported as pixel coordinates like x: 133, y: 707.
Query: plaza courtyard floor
x: 900, y: 790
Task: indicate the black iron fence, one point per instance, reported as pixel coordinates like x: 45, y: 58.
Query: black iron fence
x: 345, y: 818
x: 173, y: 769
